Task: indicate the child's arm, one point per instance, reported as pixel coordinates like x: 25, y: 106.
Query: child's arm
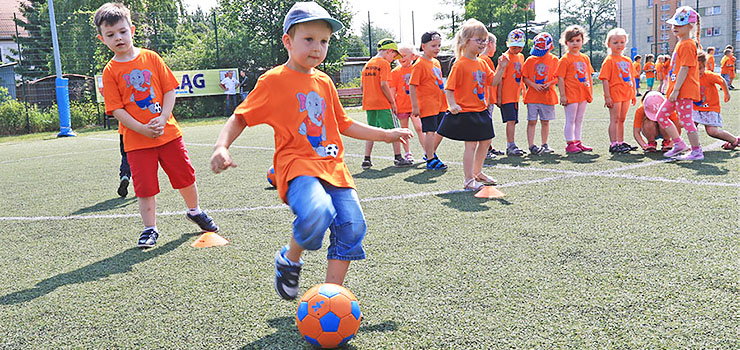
x: 503, y: 61
x: 414, y: 102
x: 533, y: 85
x: 682, y: 74
x: 607, y: 94
x: 498, y: 92
x: 168, y: 104
x: 366, y: 132
x: 725, y: 90
x: 636, y: 132
x: 454, y: 107
x: 388, y: 95
x: 221, y: 159
x: 130, y: 122
x: 561, y: 90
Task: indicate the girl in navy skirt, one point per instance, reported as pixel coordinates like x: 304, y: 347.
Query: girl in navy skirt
x: 468, y: 118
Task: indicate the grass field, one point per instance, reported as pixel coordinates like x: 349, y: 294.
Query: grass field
x: 586, y: 251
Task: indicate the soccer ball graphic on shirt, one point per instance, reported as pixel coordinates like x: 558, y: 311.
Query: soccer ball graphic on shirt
x: 328, y: 315
x: 332, y: 150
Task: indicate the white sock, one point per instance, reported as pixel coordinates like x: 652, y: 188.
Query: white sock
x: 151, y: 227
x: 194, y: 211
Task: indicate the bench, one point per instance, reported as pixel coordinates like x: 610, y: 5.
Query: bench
x: 350, y: 96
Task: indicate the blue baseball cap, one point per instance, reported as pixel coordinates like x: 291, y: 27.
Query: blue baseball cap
x: 309, y: 11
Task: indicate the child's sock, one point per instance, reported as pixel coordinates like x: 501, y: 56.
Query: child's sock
x: 367, y: 158
x: 511, y: 145
x: 615, y: 143
x: 151, y: 227
x: 194, y: 211
x: 695, y: 148
x: 398, y: 156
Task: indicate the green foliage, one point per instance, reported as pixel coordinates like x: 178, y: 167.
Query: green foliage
x: 16, y: 117
x: 500, y: 17
x: 357, y: 47
x: 354, y: 83
x: 377, y: 33
x: 597, y: 17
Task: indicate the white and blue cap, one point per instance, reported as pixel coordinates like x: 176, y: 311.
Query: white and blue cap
x: 516, y: 38
x: 683, y: 16
x: 309, y: 11
x: 542, y: 44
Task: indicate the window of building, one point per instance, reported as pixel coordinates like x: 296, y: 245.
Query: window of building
x: 649, y: 20
x: 664, y: 27
x: 737, y: 36
x: 737, y: 15
x: 717, y: 10
x: 650, y: 3
x: 716, y: 31
x: 665, y: 7
x: 664, y: 37
x: 650, y: 38
x: 708, y: 32
x: 663, y: 17
x: 712, y: 10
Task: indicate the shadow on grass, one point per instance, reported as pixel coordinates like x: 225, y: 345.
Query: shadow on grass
x: 513, y: 160
x: 630, y: 158
x: 119, y: 263
x: 108, y: 204
x: 581, y: 158
x: 383, y: 173
x: 287, y: 336
x: 464, y: 201
x: 548, y: 158
x: 425, y: 176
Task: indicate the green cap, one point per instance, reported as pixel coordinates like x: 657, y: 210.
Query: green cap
x: 389, y: 44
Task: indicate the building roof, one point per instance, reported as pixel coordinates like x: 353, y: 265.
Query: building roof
x: 7, y: 26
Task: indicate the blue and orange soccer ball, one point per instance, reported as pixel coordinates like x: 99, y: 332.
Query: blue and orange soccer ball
x: 271, y: 176
x: 328, y: 315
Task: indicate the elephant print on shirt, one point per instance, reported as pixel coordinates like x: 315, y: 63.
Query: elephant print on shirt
x: 313, y: 126
x: 480, y: 81
x: 540, y: 73
x: 143, y: 94
x: 624, y: 71
x: 438, y: 76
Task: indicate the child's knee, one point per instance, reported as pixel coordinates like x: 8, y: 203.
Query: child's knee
x: 309, y: 229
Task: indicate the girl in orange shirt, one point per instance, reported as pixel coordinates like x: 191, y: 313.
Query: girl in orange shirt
x: 619, y: 88
x: 649, y: 70
x: 683, y: 85
x: 468, y: 118
x: 710, y: 58
x: 575, y: 86
x: 400, y: 77
x: 707, y: 111
x: 659, y: 72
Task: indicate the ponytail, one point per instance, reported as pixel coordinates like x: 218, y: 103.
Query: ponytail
x: 698, y: 30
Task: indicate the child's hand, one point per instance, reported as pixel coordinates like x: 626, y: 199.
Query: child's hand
x: 398, y: 134
x: 727, y: 98
x: 634, y: 100
x: 150, y: 131
x: 394, y: 107
x: 608, y: 103
x: 455, y: 109
x: 221, y: 160
x: 541, y: 87
x: 503, y: 61
x: 674, y: 96
x: 563, y: 100
x: 415, y: 112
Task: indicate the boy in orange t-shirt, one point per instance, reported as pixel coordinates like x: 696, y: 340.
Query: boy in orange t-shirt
x: 540, y: 77
x: 510, y: 89
x: 377, y: 98
x: 139, y: 91
x: 649, y: 70
x: 707, y: 111
x: 637, y: 65
x: 710, y: 58
x: 400, y: 77
x: 302, y: 106
x: 728, y: 67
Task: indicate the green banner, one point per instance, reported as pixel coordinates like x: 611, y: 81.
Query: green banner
x: 192, y: 82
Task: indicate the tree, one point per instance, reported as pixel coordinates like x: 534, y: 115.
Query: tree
x: 595, y: 16
x: 377, y: 33
x: 452, y: 20
x: 500, y: 16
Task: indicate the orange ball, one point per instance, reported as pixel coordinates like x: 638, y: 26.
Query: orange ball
x: 271, y: 176
x: 328, y: 315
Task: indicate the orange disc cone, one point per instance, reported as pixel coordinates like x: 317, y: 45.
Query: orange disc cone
x: 489, y: 192
x: 209, y: 239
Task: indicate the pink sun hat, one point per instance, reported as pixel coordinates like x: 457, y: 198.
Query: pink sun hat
x: 652, y: 103
x: 683, y: 16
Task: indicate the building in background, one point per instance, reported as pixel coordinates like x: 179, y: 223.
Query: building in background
x: 720, y: 24
x: 8, y: 46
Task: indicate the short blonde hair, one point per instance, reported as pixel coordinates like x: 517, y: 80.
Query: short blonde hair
x: 616, y: 32
x: 470, y: 29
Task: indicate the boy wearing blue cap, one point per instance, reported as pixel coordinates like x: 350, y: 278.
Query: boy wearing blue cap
x: 539, y: 72
x: 301, y: 104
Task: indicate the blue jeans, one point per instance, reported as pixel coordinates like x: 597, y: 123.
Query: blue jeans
x: 125, y: 169
x: 231, y: 102
x: 318, y: 206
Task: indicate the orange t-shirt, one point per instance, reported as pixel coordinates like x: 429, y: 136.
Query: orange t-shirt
x: 728, y: 65
x: 709, y: 95
x: 491, y: 91
x: 666, y: 68
x: 685, y: 55
x: 400, y: 77
x: 659, y: 71
x: 541, y: 70
x: 619, y: 71
x: 374, y: 72
x: 576, y: 71
x: 468, y: 79
x: 511, y: 83
x: 710, y: 63
x: 307, y: 118
x: 427, y: 77
x: 638, y: 69
x: 640, y: 117
x: 649, y: 70
x: 138, y: 87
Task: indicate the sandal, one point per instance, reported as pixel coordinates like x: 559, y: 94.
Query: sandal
x: 472, y: 185
x: 731, y: 146
x: 485, y: 179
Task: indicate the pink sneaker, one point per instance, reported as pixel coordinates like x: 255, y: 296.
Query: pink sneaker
x: 678, y: 148
x: 693, y: 155
x: 582, y: 147
x: 573, y: 148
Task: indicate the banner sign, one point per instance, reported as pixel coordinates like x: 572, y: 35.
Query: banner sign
x: 192, y: 82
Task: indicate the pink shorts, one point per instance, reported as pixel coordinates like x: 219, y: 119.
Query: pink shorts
x: 173, y: 156
x: 403, y: 115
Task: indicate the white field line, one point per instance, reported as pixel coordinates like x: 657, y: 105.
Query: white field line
x: 55, y: 155
x: 567, y: 174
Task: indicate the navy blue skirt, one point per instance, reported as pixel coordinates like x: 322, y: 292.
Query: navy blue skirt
x: 467, y: 126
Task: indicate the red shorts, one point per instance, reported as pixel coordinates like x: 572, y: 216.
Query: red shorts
x: 173, y: 156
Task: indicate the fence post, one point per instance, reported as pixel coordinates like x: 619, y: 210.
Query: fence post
x: 215, y: 31
x: 369, y: 35
x: 20, y: 62
x: 156, y: 34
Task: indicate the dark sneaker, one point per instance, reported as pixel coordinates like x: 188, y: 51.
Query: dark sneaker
x: 631, y: 148
x: 547, y: 149
x: 204, y: 222
x: 614, y: 149
x: 491, y: 154
x: 496, y: 152
x: 514, y: 151
x: 287, y: 274
x: 123, y: 186
x: 367, y: 164
x: 148, y: 238
x: 535, y: 150
x: 402, y: 162
x: 624, y: 148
